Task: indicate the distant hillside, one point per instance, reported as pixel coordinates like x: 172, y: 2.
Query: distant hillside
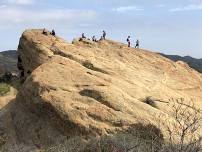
x: 192, y: 62
x: 8, y: 60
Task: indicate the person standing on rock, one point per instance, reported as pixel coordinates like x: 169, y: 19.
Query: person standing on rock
x: 128, y: 41
x: 44, y: 32
x: 53, y: 32
x: 137, y: 44
x: 104, y: 35
x: 93, y: 39
x: 83, y: 36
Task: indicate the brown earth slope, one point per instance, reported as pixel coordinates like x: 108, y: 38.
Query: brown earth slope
x: 93, y: 88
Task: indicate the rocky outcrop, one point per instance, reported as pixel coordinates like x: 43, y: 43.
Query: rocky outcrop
x: 89, y: 88
x: 32, y: 53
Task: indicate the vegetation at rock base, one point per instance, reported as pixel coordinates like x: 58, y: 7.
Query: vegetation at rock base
x: 182, y: 133
x: 4, y: 88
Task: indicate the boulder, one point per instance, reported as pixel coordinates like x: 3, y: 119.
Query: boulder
x: 89, y: 88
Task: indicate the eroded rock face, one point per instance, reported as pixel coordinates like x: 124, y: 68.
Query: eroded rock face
x: 34, y: 49
x: 95, y: 88
x: 94, y: 106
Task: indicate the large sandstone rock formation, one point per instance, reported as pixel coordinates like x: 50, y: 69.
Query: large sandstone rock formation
x: 97, y: 87
x: 94, y: 88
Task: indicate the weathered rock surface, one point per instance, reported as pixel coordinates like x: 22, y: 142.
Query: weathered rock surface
x: 95, y: 88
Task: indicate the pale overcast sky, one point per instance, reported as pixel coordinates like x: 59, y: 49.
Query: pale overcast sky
x: 168, y: 26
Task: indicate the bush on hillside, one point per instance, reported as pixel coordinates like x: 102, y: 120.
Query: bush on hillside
x: 184, y: 130
x: 6, y: 77
x: 4, y: 88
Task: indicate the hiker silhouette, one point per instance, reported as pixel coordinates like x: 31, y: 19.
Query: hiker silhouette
x: 44, y: 32
x: 137, y: 44
x: 104, y: 35
x: 93, y: 39
x: 53, y: 32
x: 128, y: 40
x: 83, y: 36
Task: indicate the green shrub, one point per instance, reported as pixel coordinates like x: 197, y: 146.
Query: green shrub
x: 4, y: 88
x: 6, y: 77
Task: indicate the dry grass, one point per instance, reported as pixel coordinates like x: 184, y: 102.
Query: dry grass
x: 183, y: 136
x: 149, y: 101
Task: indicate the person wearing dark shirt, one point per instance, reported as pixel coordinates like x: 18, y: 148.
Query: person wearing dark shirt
x: 44, y: 32
x: 93, y: 39
x: 137, y: 44
x: 83, y: 36
x: 128, y: 41
x: 53, y: 32
x: 104, y: 35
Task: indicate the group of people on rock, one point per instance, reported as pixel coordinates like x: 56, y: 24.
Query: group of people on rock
x: 129, y: 43
x: 103, y: 37
x: 94, y: 39
x: 46, y: 33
